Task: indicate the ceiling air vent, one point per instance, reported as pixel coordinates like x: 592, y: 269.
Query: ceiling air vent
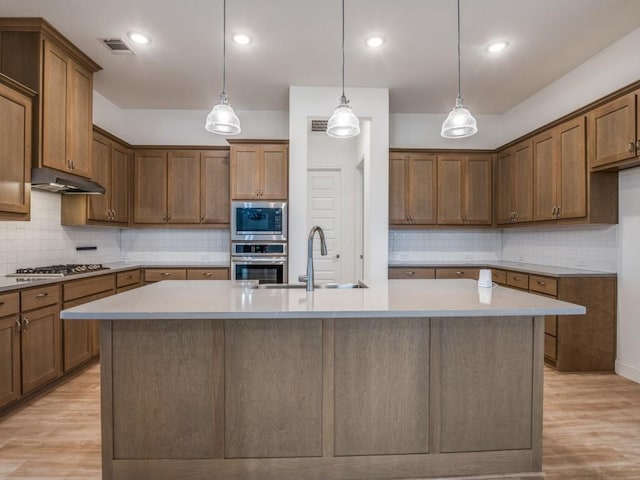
x: 318, y: 126
x: 117, y: 45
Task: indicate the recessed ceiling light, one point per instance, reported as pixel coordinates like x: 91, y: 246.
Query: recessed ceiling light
x: 139, y: 38
x: 496, y: 47
x: 374, y: 42
x: 242, y: 39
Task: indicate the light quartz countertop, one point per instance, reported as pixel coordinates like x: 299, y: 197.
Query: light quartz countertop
x: 14, y: 283
x: 548, y: 270
x: 198, y: 299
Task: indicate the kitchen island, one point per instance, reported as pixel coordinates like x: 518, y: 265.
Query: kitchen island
x: 222, y: 381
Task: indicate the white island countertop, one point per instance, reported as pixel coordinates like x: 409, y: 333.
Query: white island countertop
x: 196, y: 299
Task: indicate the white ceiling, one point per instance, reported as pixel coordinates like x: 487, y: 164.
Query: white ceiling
x: 297, y: 42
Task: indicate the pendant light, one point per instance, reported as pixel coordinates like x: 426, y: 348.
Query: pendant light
x: 222, y: 119
x: 343, y: 123
x: 460, y: 123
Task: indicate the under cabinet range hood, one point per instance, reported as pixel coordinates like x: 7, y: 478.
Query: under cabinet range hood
x: 51, y: 180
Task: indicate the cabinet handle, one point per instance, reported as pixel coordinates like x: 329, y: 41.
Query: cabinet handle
x: 207, y: 274
x: 632, y: 147
x: 25, y: 324
x: 412, y: 219
x: 166, y: 274
x: 164, y: 217
x: 168, y: 217
x: 638, y: 145
x: 558, y: 211
x: 42, y: 295
x: 517, y: 279
x: 542, y: 284
x: 202, y: 218
x: 1, y: 303
x: 410, y: 273
x: 129, y: 277
x: 18, y: 326
x: 460, y: 273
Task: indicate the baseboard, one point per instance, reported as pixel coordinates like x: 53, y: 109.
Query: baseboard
x: 631, y: 372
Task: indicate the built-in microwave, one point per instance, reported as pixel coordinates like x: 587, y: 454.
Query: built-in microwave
x: 258, y: 221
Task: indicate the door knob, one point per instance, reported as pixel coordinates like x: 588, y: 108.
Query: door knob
x: 337, y: 255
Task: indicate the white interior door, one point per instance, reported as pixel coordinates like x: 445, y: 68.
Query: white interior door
x: 325, y: 210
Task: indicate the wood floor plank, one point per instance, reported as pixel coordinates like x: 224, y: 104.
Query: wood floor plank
x: 591, y: 430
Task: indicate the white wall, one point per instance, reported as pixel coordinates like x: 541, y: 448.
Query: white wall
x: 628, y: 361
x: 315, y: 102
x: 42, y: 241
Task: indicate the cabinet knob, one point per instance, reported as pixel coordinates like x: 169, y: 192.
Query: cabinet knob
x: 632, y: 147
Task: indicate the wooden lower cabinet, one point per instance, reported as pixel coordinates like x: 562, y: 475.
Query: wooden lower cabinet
x: 10, y: 328
x: 458, y: 272
x: 159, y: 274
x: 411, y: 272
x: 207, y: 274
x: 40, y: 347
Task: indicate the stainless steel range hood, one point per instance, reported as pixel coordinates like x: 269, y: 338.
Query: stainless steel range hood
x: 45, y: 178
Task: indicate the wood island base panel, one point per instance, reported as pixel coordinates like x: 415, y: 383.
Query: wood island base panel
x: 322, y: 398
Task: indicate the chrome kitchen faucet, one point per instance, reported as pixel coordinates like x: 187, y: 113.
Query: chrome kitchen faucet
x: 309, y: 277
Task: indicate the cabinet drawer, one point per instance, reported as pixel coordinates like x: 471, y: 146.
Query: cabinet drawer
x: 472, y: 273
x: 158, y: 274
x: 518, y: 280
x: 39, y: 297
x: 546, y: 285
x: 551, y: 325
x: 9, y: 304
x: 127, y: 288
x: 550, y: 345
x: 419, y: 272
x: 130, y: 277
x: 87, y: 287
x: 499, y: 276
x: 81, y: 301
x: 208, y: 274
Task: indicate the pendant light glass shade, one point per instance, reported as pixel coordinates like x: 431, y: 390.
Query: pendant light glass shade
x: 222, y: 119
x: 343, y: 123
x: 460, y: 123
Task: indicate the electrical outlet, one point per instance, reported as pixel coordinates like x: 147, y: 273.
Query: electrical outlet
x: 520, y: 258
x: 581, y: 263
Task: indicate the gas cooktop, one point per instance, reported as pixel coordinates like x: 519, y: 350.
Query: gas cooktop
x: 53, y: 271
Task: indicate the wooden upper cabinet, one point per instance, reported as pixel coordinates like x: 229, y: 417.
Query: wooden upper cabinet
x: 412, y: 188
x: 15, y: 150
x: 38, y: 56
x: 67, y: 113
x: 464, y: 189
x: 120, y: 183
x: 514, y: 195
x: 398, y: 188
x: 259, y: 171
x: 150, y: 187
x: 613, y: 136
x: 99, y: 205
x: 214, y: 187
x: 183, y: 186
x: 560, y: 172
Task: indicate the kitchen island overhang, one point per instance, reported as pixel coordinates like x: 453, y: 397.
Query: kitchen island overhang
x: 215, y: 380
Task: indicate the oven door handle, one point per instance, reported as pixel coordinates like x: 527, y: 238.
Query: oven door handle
x: 259, y: 261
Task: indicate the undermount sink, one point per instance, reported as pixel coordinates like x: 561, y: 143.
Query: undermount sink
x: 287, y: 286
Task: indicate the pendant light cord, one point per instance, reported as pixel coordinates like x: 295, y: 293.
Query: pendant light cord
x: 224, y: 47
x: 343, y: 48
x: 459, y: 96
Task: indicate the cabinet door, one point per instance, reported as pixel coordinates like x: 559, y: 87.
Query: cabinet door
x: 54, y: 108
x: 41, y: 361
x: 422, y: 188
x: 150, y: 192
x: 245, y: 172
x: 15, y: 151
x: 478, y: 191
x: 504, y: 204
x: 572, y: 172
x: 77, y: 342
x: 214, y: 187
x: 101, y: 158
x: 183, y: 187
x: 612, y: 131
x: 79, y: 119
x: 274, y: 182
x: 545, y: 176
x: 451, y: 209
x: 120, y: 168
x: 9, y: 359
x: 398, y: 188
x: 523, y: 182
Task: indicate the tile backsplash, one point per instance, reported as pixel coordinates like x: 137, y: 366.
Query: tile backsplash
x: 166, y: 245
x: 42, y: 241
x: 585, y: 247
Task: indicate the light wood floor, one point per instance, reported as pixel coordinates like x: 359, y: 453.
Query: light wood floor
x: 591, y: 430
